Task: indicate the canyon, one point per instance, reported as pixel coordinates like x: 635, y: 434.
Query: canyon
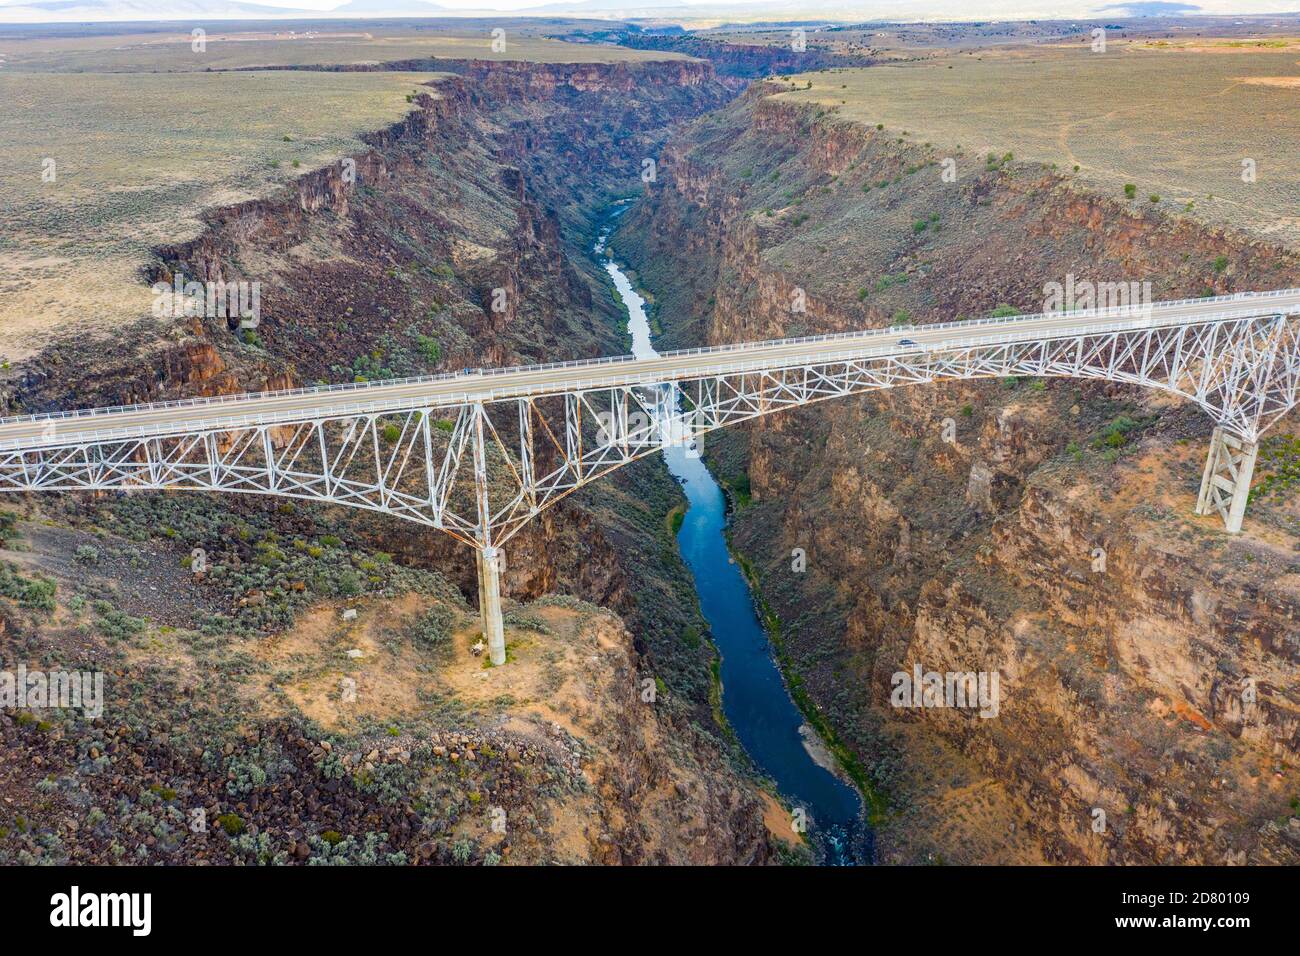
x: 494, y: 180
x: 953, y: 528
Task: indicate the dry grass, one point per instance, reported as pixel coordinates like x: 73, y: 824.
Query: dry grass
x: 226, y: 51
x: 1171, y: 121
x: 137, y: 158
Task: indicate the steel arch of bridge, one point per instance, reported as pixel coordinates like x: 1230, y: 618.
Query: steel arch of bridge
x: 479, y: 468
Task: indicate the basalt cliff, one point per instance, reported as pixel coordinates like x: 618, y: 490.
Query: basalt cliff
x: 1040, y: 530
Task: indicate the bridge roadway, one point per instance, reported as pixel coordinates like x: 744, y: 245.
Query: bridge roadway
x: 181, y: 417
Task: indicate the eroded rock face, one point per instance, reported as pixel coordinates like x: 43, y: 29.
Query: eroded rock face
x: 660, y: 797
x: 459, y: 223
x: 979, y: 487
x: 738, y: 62
x: 1146, y: 667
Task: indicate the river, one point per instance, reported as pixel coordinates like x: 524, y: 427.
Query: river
x: 755, y: 699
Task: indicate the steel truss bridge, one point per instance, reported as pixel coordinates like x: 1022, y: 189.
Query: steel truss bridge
x: 477, y: 454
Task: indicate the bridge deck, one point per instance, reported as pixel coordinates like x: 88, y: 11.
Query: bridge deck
x: 491, y: 385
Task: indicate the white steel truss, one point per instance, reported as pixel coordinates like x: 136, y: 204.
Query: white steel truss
x: 480, y: 470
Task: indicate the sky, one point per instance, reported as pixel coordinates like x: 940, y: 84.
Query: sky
x: 894, y: 9
x: 843, y: 10
x: 881, y: 9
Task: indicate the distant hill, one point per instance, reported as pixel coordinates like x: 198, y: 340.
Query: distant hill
x: 63, y: 11
x: 391, y: 8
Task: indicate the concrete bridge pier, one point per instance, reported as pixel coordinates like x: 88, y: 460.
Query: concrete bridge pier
x: 489, y: 603
x: 482, y: 607
x: 487, y: 556
x: 1225, y: 486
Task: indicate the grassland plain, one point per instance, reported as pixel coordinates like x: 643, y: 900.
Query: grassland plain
x: 1176, y: 122
x: 136, y: 160
x: 175, y: 52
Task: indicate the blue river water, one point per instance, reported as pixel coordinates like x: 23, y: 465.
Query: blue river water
x: 755, y: 699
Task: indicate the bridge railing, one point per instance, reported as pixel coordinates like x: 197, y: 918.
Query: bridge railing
x: 653, y: 377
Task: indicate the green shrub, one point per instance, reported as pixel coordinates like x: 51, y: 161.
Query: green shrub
x: 349, y: 583
x: 1115, y: 435
x: 36, y: 593
x: 429, y: 348
x: 432, y: 628
x: 1279, y: 462
x: 528, y: 622
x: 117, y: 624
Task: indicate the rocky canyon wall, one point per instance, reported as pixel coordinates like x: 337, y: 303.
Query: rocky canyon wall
x: 1149, y: 708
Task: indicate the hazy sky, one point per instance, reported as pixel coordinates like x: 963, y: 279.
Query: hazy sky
x: 883, y: 9
x: 845, y: 10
